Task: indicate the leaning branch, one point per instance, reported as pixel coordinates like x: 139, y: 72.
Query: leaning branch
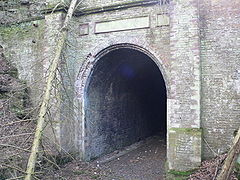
x: 47, y: 92
x: 231, y: 159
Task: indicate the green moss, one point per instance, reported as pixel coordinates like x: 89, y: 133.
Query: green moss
x: 179, y: 175
x: 3, y: 95
x: 19, y: 100
x: 19, y: 30
x: 95, y: 176
x: 62, y: 160
x: 3, y: 174
x: 80, y: 172
x: 13, y: 72
x: 237, y: 168
x: 192, y: 131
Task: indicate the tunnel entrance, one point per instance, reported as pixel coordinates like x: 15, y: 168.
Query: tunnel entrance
x: 125, y: 102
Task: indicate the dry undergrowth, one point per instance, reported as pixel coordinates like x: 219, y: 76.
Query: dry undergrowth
x: 16, y: 127
x: 210, y: 169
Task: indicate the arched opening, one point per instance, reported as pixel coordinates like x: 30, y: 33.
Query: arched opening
x: 125, y: 102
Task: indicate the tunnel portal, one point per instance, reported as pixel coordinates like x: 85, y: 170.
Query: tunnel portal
x: 125, y: 101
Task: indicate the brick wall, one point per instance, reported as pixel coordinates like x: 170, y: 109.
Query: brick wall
x: 154, y: 39
x: 220, y: 56
x: 102, y: 3
x: 184, y: 137
x: 12, y: 11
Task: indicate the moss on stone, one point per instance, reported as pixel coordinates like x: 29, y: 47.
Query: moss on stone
x: 13, y: 72
x: 20, y: 30
x: 179, y: 175
x: 3, y: 95
x: 3, y: 173
x: 237, y: 167
x: 192, y: 131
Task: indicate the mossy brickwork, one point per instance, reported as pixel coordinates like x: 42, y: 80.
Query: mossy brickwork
x: 184, y: 133
x: 23, y: 45
x: 13, y: 92
x: 184, y: 151
x: 17, y: 11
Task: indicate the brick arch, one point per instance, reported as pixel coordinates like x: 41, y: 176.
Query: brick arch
x: 97, y: 53
x: 87, y: 69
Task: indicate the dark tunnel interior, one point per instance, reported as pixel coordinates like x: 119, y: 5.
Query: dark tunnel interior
x: 125, y: 101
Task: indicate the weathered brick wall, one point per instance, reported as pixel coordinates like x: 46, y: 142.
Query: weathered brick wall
x: 16, y: 11
x: 102, y: 3
x: 23, y: 45
x: 184, y: 146
x: 185, y: 60
x: 155, y: 39
x: 220, y: 56
x: 26, y: 41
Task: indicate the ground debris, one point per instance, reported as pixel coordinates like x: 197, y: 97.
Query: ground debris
x: 210, y: 169
x: 76, y: 170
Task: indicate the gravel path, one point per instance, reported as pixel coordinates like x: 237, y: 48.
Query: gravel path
x: 141, y: 161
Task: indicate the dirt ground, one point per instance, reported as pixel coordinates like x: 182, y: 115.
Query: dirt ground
x: 141, y: 161
x: 144, y: 160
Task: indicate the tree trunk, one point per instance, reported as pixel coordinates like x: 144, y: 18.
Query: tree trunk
x: 44, y: 106
x: 231, y: 159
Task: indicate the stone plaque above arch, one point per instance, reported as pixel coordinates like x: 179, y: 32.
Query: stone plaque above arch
x: 122, y: 24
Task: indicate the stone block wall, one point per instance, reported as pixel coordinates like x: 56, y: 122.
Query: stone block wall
x: 101, y: 3
x: 184, y: 100
x: 220, y: 62
x: 23, y: 45
x: 18, y: 11
x: 184, y: 148
x: 87, y: 45
x: 29, y: 45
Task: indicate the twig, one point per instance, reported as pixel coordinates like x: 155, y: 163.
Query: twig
x: 216, y: 171
x: 8, y: 145
x: 215, y: 154
x: 80, y: 2
x: 60, y: 148
x: 55, y: 7
x: 19, y: 177
x: 51, y: 162
x: 46, y: 98
x: 13, y: 167
x: 23, y: 134
x: 15, y: 122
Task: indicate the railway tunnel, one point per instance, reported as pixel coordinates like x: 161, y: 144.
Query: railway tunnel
x: 125, y: 101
